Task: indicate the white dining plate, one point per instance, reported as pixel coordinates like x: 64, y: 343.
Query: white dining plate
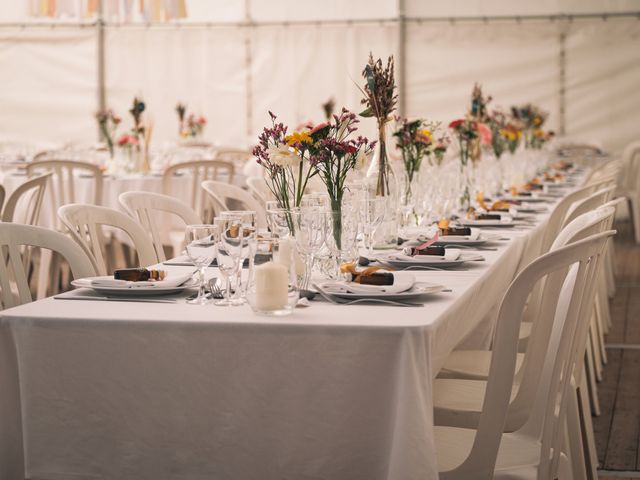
x: 402, y: 281
x: 400, y: 260
x: 141, y: 290
x: 531, y: 199
x: 418, y: 290
x: 469, y: 240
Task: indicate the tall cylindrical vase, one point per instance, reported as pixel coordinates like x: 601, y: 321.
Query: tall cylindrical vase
x: 382, y: 182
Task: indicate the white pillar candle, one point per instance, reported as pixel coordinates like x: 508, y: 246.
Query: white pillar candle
x: 272, y: 286
x: 287, y: 249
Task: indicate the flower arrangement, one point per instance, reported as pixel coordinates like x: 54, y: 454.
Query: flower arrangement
x: 415, y: 141
x: 189, y: 126
x: 332, y: 154
x: 136, y: 111
x: 512, y: 135
x: 380, y: 100
x: 281, y: 155
x: 532, y: 118
x: 128, y: 141
x: 539, y: 137
x: 466, y: 131
x: 479, y: 104
x: 108, y: 123
x: 497, y: 122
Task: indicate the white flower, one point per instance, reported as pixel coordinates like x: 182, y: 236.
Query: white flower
x: 283, y: 156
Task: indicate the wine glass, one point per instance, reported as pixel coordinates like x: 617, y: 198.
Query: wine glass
x: 249, y: 218
x: 229, y: 252
x: 310, y: 228
x: 372, y: 211
x: 201, y: 249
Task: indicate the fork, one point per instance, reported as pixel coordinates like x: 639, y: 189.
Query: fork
x: 216, y: 291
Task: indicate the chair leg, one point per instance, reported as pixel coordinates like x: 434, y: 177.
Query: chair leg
x: 595, y: 351
x: 55, y: 273
x: 588, y: 437
x: 609, y: 273
x: 634, y: 213
x: 574, y: 438
x: 591, y: 382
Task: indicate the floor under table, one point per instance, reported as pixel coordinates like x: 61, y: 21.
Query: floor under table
x: 617, y: 429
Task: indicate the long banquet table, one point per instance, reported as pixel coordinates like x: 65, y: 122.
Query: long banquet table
x: 146, y: 391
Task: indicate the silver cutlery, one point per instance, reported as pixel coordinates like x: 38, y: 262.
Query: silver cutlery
x: 116, y: 299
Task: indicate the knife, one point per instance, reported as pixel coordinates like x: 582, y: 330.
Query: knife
x: 116, y: 299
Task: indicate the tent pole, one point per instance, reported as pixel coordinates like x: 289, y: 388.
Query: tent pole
x: 102, y: 98
x: 402, y: 58
x: 562, y: 70
x: 248, y: 69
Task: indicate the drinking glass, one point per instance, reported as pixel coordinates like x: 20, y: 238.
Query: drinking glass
x: 229, y: 252
x: 248, y: 218
x: 279, y: 220
x: 200, y: 243
x: 372, y: 211
x: 310, y: 228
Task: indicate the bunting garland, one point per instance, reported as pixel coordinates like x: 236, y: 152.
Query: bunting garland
x: 119, y: 10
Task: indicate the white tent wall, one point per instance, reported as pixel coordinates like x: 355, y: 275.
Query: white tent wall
x: 603, y: 82
x: 48, y: 84
x: 270, y: 61
x: 515, y: 63
x: 202, y: 67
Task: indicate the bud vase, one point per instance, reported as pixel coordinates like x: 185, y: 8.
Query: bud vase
x: 382, y: 182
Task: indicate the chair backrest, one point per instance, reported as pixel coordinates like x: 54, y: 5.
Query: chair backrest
x: 538, y: 311
x: 84, y: 223
x: 224, y: 192
x: 259, y: 188
x: 30, y: 194
x: 63, y: 182
x: 233, y: 155
x: 199, y: 171
x: 589, y: 203
x: 564, y: 309
x: 609, y: 170
x: 145, y: 207
x: 556, y: 219
x: 13, y: 237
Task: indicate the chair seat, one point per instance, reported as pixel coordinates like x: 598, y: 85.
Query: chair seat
x: 471, y: 364
x: 458, y: 403
x: 518, y: 456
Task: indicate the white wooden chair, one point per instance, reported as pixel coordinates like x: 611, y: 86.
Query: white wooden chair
x: 465, y: 365
x: 148, y: 208
x: 13, y: 237
x: 592, y: 202
x: 533, y: 450
x: 29, y: 195
x: 199, y: 171
x: 84, y: 222
x: 259, y: 189
x: 62, y: 187
x: 223, y: 193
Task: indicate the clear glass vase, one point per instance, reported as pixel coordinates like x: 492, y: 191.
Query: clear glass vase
x: 382, y: 182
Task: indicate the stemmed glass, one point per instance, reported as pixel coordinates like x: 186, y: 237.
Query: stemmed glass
x: 248, y: 218
x: 201, y: 249
x: 372, y: 211
x: 310, y: 227
x: 229, y: 252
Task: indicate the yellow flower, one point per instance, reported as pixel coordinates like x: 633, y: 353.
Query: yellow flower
x: 509, y: 134
x: 537, y: 121
x: 298, y: 137
x: 538, y: 132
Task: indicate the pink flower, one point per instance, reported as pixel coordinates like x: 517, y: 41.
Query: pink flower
x: 318, y: 127
x: 484, y: 132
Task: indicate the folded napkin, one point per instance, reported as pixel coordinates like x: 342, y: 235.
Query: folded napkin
x: 450, y: 255
x: 402, y: 281
x: 475, y: 234
x: 170, y: 281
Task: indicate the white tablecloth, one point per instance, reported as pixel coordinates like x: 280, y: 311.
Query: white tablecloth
x: 173, y: 391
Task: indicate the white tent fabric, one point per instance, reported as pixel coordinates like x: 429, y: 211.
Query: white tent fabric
x: 234, y: 74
